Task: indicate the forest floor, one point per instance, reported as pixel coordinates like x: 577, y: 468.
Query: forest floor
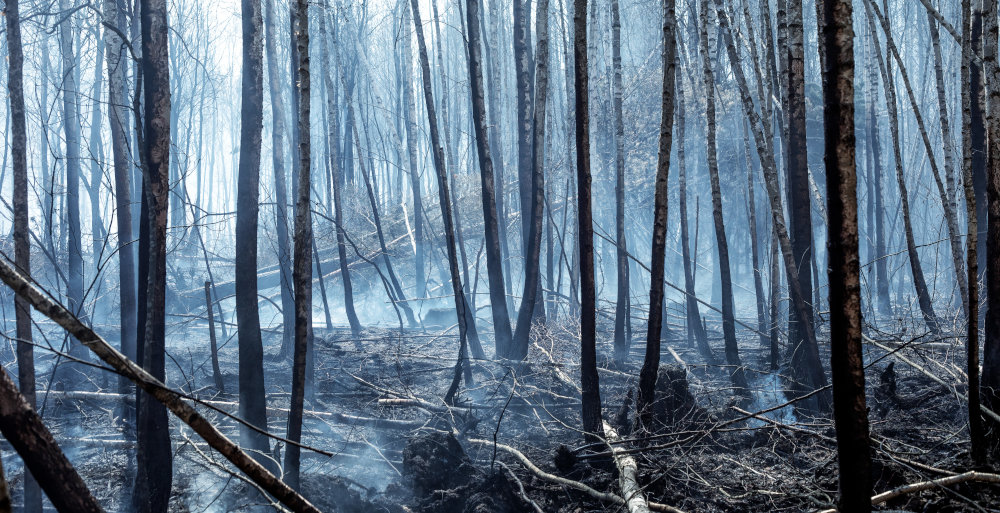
x: 378, y: 408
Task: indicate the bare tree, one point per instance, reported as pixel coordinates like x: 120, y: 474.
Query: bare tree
x: 154, y: 457
x: 253, y: 406
x: 532, y: 263
x: 22, y: 246
x: 494, y: 259
x: 991, y: 347
x: 846, y: 357
x: 622, y: 313
x: 302, y: 256
x: 651, y: 363
x: 589, y: 381
x: 737, y: 375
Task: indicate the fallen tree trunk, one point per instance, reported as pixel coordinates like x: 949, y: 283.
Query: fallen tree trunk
x: 627, y: 470
x: 155, y: 388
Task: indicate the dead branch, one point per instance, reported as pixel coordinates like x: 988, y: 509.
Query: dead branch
x: 972, y: 475
x: 154, y: 387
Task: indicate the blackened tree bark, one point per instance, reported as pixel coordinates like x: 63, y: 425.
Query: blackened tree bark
x: 589, y: 381
x: 280, y: 188
x: 302, y: 256
x: 22, y: 246
x: 154, y: 457
x: 71, y: 126
x: 846, y: 358
x: 622, y: 313
x: 494, y: 261
x: 797, y: 187
x: 991, y: 347
x: 977, y: 437
x: 651, y: 363
x: 737, y: 376
x: 333, y: 132
x: 26, y: 432
x: 532, y: 263
x: 977, y: 127
x: 253, y: 406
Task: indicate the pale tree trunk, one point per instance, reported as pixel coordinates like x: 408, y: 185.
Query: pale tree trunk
x: 337, y: 176
x: 846, y: 356
x: 494, y: 269
x: 278, y: 148
x: 977, y: 438
x: 947, y: 205
x: 651, y: 362
x: 253, y: 406
x: 762, y: 136
x: 22, y: 245
x: 98, y: 235
x: 589, y: 381
x: 532, y: 267
x: 737, y: 375
x: 948, y: 199
x: 919, y: 284
x: 411, y: 153
x: 622, y: 313
x: 154, y: 457
x: 302, y: 256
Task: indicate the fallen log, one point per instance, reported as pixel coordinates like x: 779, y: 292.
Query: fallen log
x: 627, y: 470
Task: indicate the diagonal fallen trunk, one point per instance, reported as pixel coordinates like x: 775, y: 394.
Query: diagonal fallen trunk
x: 155, y: 388
x: 627, y: 470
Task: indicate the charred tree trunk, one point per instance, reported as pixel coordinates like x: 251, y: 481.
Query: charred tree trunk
x: 213, y: 347
x: 883, y: 303
x: 977, y: 437
x: 991, y: 347
x: 71, y: 126
x: 253, y: 407
x: 797, y: 187
x: 846, y: 358
x: 532, y: 271
x: 155, y: 460
x: 758, y: 282
x: 589, y: 381
x: 494, y: 259
x: 651, y: 362
x: 737, y: 375
x: 302, y: 256
x: 22, y: 245
x: 280, y: 188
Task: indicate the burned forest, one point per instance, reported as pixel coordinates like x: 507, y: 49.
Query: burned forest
x: 500, y: 256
